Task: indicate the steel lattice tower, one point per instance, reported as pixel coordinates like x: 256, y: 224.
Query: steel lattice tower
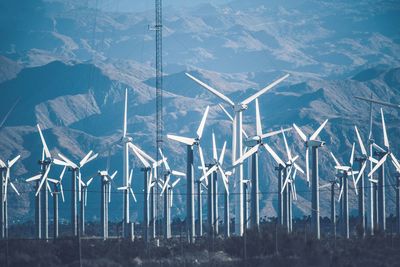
x: 159, y: 82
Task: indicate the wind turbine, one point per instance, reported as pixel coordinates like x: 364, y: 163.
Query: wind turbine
x: 254, y: 143
x: 5, y: 169
x: 42, y: 212
x: 371, y: 143
x: 212, y: 176
x: 332, y: 183
x: 148, y: 185
x: 314, y: 144
x: 84, y: 191
x: 237, y: 141
x: 344, y: 172
x: 360, y: 181
x: 128, y: 188
x: 289, y: 188
x: 58, y: 188
x: 168, y: 198
x: 382, y: 156
x: 105, y: 198
x: 190, y: 143
x: 76, y: 175
x: 165, y: 190
x: 126, y: 140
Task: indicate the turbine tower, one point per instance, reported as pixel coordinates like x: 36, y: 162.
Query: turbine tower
x: 237, y: 142
x: 343, y: 173
x: 58, y: 189
x: 84, y: 192
x: 128, y: 190
x: 313, y: 144
x: 5, y: 169
x: 166, y: 190
x: 212, y: 176
x: 76, y: 176
x: 190, y: 142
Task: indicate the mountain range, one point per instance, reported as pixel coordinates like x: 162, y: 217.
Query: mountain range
x: 66, y: 65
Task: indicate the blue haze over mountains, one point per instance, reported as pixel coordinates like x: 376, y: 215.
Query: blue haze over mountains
x: 69, y: 62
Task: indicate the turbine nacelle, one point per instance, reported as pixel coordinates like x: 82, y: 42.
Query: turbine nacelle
x: 315, y: 143
x: 240, y: 107
x: 253, y: 141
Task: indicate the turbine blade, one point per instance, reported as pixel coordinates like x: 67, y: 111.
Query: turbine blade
x: 165, y: 184
x: 341, y: 193
x: 316, y: 133
x: 62, y: 192
x: 209, y: 171
x: 43, y: 180
x: 224, y: 179
x: 298, y: 168
x: 274, y: 155
x: 380, y: 162
x: 33, y: 178
x: 352, y: 155
x: 133, y: 195
x: 395, y: 162
x: 70, y: 163
x: 12, y: 162
x: 226, y: 112
x: 222, y: 155
x: 258, y: 120
x: 130, y: 176
x: 378, y: 148
x: 214, y: 147
x: 361, y: 171
x: 264, y: 90
x: 46, y: 149
x: 385, y: 138
x: 62, y: 173
x: 203, y: 166
x: 360, y: 142
x: 144, y: 154
x: 14, y: 188
x: 202, y: 123
x: 212, y: 90
x: 177, y: 173
x: 2, y: 164
x: 248, y: 153
x: 184, y: 140
x: 273, y: 133
x: 287, y: 146
x: 354, y: 183
x: 378, y: 102
x: 125, y: 113
x: 144, y: 162
x: 84, y: 160
x: 60, y: 162
x: 336, y: 161
x: 175, y: 183
x: 300, y: 133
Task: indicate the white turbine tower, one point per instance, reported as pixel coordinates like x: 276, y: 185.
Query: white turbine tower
x: 84, y: 192
x: 76, y: 176
x: 105, y: 198
x: 5, y: 169
x: 314, y: 144
x: 190, y: 143
x: 237, y: 142
x: 344, y: 172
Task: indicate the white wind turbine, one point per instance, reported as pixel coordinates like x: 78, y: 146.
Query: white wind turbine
x: 382, y: 154
x: 397, y: 188
x: 314, y: 144
x: 332, y: 183
x: 105, y: 198
x: 42, y: 224
x: 343, y: 173
x: 5, y: 169
x: 128, y: 188
x: 58, y: 189
x: 149, y: 167
x: 237, y: 141
x: 76, y: 176
x: 190, y: 143
x: 84, y: 192
x: 289, y: 188
x: 212, y: 186
x: 254, y: 143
